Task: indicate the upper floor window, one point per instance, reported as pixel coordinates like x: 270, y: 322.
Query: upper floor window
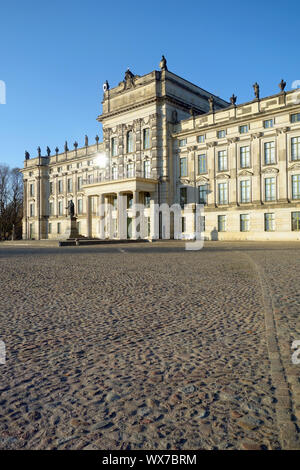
x: 245, y: 157
x: 201, y: 139
x: 130, y: 170
x: 268, y: 123
x: 129, y: 201
x: 114, y: 146
x: 60, y: 207
x: 221, y: 134
x: 70, y: 185
x: 69, y: 167
x: 31, y: 189
x: 147, y: 199
x: 51, y: 187
x: 270, y: 189
x: 79, y: 206
x: 203, y: 190
x: 147, y: 170
x: 60, y: 186
x: 295, y: 147
x: 295, y: 117
x: 79, y: 164
x: 79, y: 183
x: 146, y: 138
x: 51, y: 208
x: 202, y: 163
x: 296, y: 186
x: 59, y: 169
x: 129, y: 144
x: 222, y: 160
x: 245, y: 190
x: 244, y: 129
x: 182, y: 142
x: 31, y: 210
x: 296, y: 221
x: 269, y: 150
x: 114, y: 172
x: 183, y: 166
x: 183, y: 196
x: 223, y: 193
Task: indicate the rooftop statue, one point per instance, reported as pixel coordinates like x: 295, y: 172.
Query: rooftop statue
x: 256, y: 90
x: 282, y: 85
x: 233, y: 99
x: 27, y: 155
x: 48, y: 151
x: 163, y: 63
x: 211, y: 103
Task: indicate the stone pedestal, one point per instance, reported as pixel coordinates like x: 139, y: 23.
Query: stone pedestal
x: 72, y: 231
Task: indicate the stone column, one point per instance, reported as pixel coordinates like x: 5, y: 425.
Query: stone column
x: 101, y: 216
x: 135, y: 214
x: 122, y: 216
x: 89, y: 216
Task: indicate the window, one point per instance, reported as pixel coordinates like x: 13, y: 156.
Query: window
x: 244, y: 129
x: 268, y: 123
x: 58, y: 227
x: 201, y: 139
x: 60, y: 186
x: 221, y: 223
x: 146, y: 138
x: 183, y: 166
x: 183, y: 224
x: 147, y: 199
x: 31, y: 210
x: 69, y: 167
x: 270, y: 189
x: 202, y: 223
x: 79, y: 165
x: 269, y: 222
x: 147, y: 169
x: 182, y: 142
x: 244, y: 222
x: 269, y: 152
x: 59, y: 169
x: 202, y: 163
x: 223, y: 193
x: 129, y: 143
x: 51, y: 187
x: 115, y: 202
x: 295, y: 147
x: 60, y: 208
x: 129, y: 201
x: 70, y: 185
x: 295, y: 117
x: 31, y: 189
x: 296, y: 221
x: 222, y: 160
x: 79, y: 183
x: 221, y: 134
x: 31, y: 230
x: 245, y: 190
x: 79, y: 206
x: 114, y: 146
x: 114, y: 172
x: 296, y: 187
x: 130, y: 170
x: 245, y: 157
x: 203, y: 194
x: 183, y: 197
x: 90, y: 178
x: 51, y: 208
x: 49, y: 228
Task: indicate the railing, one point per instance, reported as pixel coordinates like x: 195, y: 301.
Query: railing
x: 105, y: 177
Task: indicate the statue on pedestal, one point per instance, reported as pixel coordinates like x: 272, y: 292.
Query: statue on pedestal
x: 71, y: 209
x: 256, y: 90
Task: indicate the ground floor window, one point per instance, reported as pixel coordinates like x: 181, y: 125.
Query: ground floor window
x: 148, y: 226
x: 183, y: 224
x: 49, y: 228
x: 296, y: 221
x: 221, y: 223
x: 244, y: 222
x: 269, y: 222
x: 31, y: 230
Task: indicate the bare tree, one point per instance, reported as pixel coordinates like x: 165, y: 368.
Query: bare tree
x: 10, y: 203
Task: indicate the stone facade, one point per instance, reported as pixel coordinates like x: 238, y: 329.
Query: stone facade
x: 166, y: 141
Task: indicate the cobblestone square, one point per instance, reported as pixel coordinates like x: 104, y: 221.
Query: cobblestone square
x: 149, y: 346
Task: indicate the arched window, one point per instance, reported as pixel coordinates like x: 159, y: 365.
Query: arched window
x: 129, y: 141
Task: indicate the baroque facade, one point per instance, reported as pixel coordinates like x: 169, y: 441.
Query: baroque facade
x: 165, y: 140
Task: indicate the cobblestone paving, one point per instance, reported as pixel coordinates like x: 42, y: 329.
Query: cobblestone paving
x: 149, y: 346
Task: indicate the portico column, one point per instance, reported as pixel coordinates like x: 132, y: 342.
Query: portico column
x: 122, y: 216
x: 89, y: 218
x: 101, y: 216
x: 135, y: 215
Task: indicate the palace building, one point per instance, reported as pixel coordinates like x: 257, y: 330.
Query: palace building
x: 166, y: 140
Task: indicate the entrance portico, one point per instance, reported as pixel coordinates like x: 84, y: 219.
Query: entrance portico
x: 121, y: 209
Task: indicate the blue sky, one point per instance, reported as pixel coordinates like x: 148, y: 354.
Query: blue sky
x: 55, y: 56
